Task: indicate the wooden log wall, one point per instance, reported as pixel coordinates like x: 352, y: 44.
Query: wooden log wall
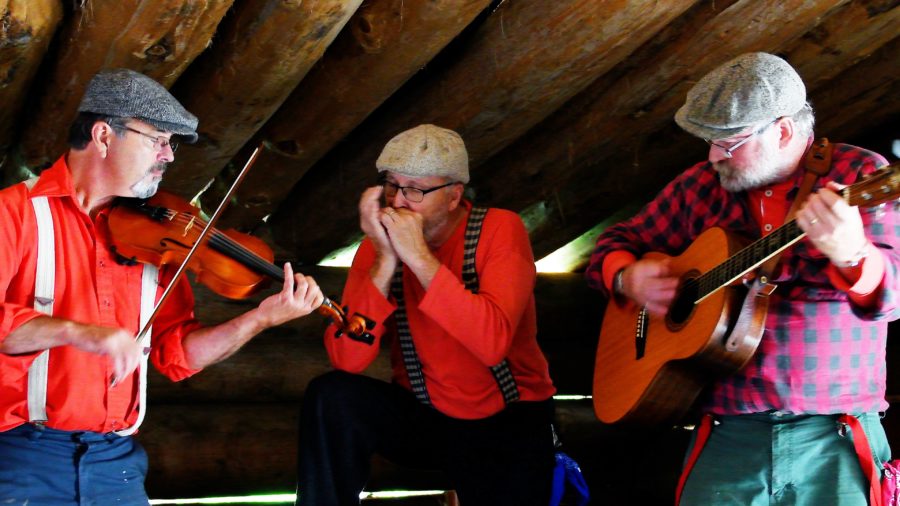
x: 387, y: 42
x: 159, y: 38
x: 492, y: 93
x: 263, y: 52
x: 232, y: 429
x: 610, y: 143
x: 25, y: 34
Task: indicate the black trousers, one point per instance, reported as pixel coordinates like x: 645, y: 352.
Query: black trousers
x: 506, y: 459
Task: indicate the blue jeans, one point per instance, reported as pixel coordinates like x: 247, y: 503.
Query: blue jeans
x: 771, y: 459
x: 42, y: 466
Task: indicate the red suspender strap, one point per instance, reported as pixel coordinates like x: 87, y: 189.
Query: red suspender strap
x: 702, y: 436
x: 864, y: 452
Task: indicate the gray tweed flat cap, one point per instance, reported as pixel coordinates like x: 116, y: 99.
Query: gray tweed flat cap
x: 129, y: 94
x: 748, y: 90
x: 426, y: 150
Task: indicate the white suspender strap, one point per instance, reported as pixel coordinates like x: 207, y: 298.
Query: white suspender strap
x: 149, y: 283
x: 45, y: 278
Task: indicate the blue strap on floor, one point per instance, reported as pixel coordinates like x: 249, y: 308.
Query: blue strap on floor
x: 568, y: 472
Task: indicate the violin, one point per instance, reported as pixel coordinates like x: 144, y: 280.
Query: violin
x: 162, y: 230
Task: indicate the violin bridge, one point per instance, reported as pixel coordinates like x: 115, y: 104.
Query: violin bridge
x: 188, y: 227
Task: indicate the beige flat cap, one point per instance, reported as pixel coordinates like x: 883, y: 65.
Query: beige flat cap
x: 426, y: 150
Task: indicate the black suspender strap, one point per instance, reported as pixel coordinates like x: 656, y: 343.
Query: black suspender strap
x: 502, y: 375
x: 407, y: 347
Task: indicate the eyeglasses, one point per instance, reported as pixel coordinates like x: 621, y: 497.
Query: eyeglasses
x: 729, y: 150
x: 159, y: 142
x: 410, y: 193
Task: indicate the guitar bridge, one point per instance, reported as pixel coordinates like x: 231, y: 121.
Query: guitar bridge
x: 640, y: 334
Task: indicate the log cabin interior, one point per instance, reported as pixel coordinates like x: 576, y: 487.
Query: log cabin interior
x: 566, y: 108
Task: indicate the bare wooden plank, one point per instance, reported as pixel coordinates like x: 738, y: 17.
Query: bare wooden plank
x: 383, y: 45
x: 25, y: 33
x: 508, y: 78
x: 159, y: 38
x: 262, y: 51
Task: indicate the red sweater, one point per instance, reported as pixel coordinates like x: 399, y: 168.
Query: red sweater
x: 458, y: 334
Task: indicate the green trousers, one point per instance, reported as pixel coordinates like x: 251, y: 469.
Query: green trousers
x: 777, y: 459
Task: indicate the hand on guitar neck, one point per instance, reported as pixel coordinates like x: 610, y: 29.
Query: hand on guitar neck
x: 833, y: 226
x: 651, y: 284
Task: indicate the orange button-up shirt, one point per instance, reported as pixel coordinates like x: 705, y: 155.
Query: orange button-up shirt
x: 91, y: 287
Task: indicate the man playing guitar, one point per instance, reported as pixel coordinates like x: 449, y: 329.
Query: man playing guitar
x: 821, y: 350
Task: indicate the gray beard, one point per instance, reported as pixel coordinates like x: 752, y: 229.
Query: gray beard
x: 144, y: 189
x: 748, y: 180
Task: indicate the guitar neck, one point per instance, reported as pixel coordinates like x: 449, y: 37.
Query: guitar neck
x: 748, y: 259
x: 879, y: 188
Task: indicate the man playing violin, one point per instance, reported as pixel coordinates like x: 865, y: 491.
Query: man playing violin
x: 72, y: 375
x: 471, y: 394
x: 776, y: 437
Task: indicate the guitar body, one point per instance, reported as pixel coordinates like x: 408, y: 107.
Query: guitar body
x: 682, y: 351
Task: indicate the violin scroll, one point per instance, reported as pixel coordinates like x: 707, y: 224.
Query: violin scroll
x: 356, y: 327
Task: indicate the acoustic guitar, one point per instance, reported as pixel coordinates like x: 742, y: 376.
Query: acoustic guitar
x: 650, y: 369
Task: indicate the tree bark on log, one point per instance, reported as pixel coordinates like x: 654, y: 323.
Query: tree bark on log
x: 644, y: 169
x: 383, y: 45
x: 159, y: 38
x: 506, y: 81
x: 610, y: 119
x: 25, y: 33
x: 263, y: 50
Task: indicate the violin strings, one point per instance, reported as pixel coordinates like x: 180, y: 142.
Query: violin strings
x: 229, y: 245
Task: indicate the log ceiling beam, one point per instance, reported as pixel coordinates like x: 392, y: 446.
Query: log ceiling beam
x: 506, y: 81
x: 627, y: 176
x: 159, y: 38
x: 621, y: 126
x: 25, y: 34
x: 262, y: 51
x: 385, y: 43
x: 612, y: 118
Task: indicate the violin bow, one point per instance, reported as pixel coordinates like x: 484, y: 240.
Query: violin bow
x: 209, y: 226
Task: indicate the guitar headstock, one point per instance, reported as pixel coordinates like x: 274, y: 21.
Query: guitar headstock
x: 882, y: 186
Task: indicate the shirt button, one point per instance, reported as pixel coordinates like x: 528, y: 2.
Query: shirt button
x: 768, y: 193
x: 767, y: 227
x: 102, y: 263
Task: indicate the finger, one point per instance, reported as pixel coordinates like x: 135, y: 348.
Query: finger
x: 313, y: 293
x: 656, y: 308
x: 288, y: 278
x: 301, y: 286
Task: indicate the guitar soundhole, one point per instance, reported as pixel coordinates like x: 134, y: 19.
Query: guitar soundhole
x: 683, y: 305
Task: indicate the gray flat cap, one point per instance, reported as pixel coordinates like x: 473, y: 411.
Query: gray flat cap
x: 426, y: 150
x: 126, y: 93
x: 748, y: 90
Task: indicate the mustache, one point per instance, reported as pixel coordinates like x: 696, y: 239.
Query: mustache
x: 161, y: 167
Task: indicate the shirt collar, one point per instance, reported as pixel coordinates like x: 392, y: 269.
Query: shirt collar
x: 55, y: 181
